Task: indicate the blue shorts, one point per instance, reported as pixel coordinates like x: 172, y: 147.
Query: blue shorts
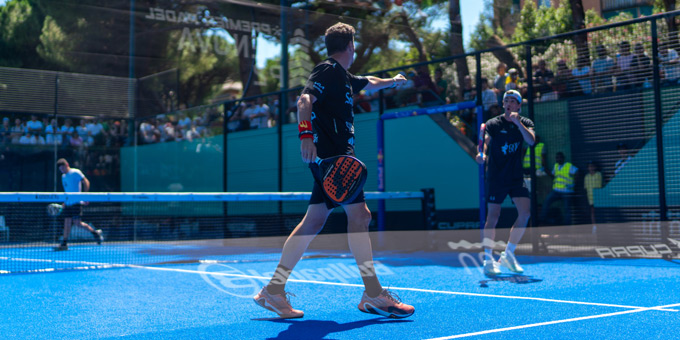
x: 318, y: 196
x: 72, y: 211
x: 497, y: 193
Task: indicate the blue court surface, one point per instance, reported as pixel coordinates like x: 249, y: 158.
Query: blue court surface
x: 557, y: 298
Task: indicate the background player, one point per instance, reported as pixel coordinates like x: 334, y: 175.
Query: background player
x: 327, y: 129
x: 73, y: 180
x: 503, y: 150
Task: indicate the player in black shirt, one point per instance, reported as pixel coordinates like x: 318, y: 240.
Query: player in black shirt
x: 326, y: 125
x: 503, y: 150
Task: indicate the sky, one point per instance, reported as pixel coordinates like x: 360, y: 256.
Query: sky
x: 470, y: 10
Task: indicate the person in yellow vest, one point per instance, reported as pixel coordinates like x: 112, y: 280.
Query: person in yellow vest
x: 592, y: 180
x: 563, y: 188
x: 539, y: 155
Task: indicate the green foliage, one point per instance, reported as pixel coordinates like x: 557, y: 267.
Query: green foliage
x: 20, y: 27
x: 542, y: 22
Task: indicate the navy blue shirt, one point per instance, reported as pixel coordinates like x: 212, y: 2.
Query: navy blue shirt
x: 505, y: 151
x: 332, y: 113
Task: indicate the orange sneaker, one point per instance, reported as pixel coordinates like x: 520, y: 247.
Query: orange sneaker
x: 386, y: 304
x: 277, y: 303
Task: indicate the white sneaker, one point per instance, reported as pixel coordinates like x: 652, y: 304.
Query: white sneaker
x: 491, y: 268
x: 509, y: 261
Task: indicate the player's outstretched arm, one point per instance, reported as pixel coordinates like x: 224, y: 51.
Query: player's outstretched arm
x: 375, y: 83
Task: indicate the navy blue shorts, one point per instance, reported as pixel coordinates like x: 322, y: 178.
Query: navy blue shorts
x: 318, y: 196
x: 72, y: 211
x: 497, y: 193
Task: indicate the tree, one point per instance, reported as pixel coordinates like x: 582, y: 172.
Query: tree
x: 20, y: 27
x: 457, y: 41
x: 580, y: 40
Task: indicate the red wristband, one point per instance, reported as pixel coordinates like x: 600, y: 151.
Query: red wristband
x: 305, y: 128
x: 305, y: 125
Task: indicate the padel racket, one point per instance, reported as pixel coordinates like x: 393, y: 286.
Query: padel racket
x: 341, y: 177
x: 482, y: 129
x: 54, y: 209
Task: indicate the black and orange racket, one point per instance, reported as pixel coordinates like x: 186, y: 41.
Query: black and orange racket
x: 341, y: 177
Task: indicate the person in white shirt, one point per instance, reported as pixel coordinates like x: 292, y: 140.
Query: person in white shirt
x: 74, y: 180
x: 67, y: 130
x: 259, y: 115
x: 26, y: 139
x: 34, y: 125
x: 82, y: 128
x: 52, y: 133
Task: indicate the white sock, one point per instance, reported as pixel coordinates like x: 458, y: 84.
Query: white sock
x: 488, y: 254
x: 510, y: 248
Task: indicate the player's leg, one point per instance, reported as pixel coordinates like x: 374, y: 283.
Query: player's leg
x: 375, y: 299
x: 78, y: 222
x: 507, y: 258
x: 66, y: 234
x: 489, y: 236
x: 273, y: 296
x: 97, y: 234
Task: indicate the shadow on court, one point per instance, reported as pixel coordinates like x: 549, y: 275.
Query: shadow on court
x: 512, y: 278
x: 320, y: 329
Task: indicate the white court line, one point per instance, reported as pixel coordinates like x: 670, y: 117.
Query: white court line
x: 498, y: 330
x: 405, y: 289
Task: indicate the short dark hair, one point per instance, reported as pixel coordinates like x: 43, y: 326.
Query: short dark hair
x: 338, y: 37
x: 61, y: 162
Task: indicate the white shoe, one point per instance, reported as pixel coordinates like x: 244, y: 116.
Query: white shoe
x: 509, y: 261
x: 491, y: 268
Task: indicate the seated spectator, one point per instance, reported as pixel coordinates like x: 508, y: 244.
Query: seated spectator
x: 468, y: 91
x: 34, y: 126
x: 97, y: 129
x: 88, y: 140
x: 17, y: 131
x: 670, y: 63
x: 26, y: 139
x: 82, y: 128
x: 624, y: 157
x: 66, y: 131
x: 5, y: 132
x: 581, y: 73
x: 513, y: 82
x: 259, y: 115
x: 563, y: 84
x: 53, y: 136
x: 192, y: 133
x: 495, y: 110
x: 488, y: 95
x: 113, y: 136
x: 76, y: 141
x: 543, y: 78
x: 184, y: 122
x: 641, y: 66
x: 427, y: 93
x: 362, y: 102
x: 624, y: 70
x: 441, y: 85
x: 603, y: 69
x: 499, y: 82
x: 167, y: 132
x: 148, y: 132
x: 238, y: 121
